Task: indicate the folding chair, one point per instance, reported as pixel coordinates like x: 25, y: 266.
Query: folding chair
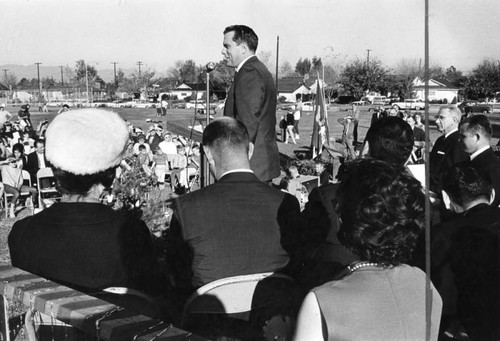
x: 44, y: 177
x: 6, y: 196
x: 242, y: 306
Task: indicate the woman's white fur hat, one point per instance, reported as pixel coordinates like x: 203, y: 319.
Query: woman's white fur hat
x: 86, y: 141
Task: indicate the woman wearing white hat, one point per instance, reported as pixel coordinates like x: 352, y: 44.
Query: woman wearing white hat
x: 80, y: 242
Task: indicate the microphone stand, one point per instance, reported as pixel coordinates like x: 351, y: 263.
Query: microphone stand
x: 205, y: 177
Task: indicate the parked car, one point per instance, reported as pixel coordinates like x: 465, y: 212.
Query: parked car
x: 285, y: 106
x: 409, y: 104
x: 361, y: 102
x: 476, y: 107
x: 380, y: 100
x: 309, y: 106
x: 143, y: 104
x: 197, y: 104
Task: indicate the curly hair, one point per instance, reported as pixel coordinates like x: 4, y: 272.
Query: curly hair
x: 381, y: 208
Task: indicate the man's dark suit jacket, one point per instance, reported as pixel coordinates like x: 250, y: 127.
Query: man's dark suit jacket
x: 237, y: 226
x: 445, y: 153
x: 377, y: 116
x: 252, y: 100
x: 32, y: 166
x: 465, y: 268
x: 490, y: 164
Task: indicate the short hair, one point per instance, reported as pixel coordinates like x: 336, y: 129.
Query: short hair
x: 39, y: 141
x: 479, y: 124
x: 454, y: 111
x: 390, y: 139
x: 465, y: 183
x: 244, y: 34
x: 142, y: 147
x: 381, y: 208
x: 19, y: 147
x: 70, y: 183
x: 226, y: 134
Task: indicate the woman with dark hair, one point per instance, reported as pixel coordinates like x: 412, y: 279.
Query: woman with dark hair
x: 380, y: 297
x: 80, y: 242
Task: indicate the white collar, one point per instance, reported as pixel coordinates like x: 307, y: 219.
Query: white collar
x: 243, y: 62
x: 450, y: 132
x: 477, y: 152
x: 238, y: 170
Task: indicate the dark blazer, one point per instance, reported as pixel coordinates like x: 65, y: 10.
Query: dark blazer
x: 252, y: 100
x: 237, y: 226
x: 465, y: 268
x: 377, y: 116
x: 445, y: 153
x: 32, y: 166
x: 490, y: 164
x: 86, y: 246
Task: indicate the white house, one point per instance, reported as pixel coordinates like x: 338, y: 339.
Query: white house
x: 439, y: 89
x: 189, y: 89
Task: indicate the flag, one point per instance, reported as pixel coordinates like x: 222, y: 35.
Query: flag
x: 320, y: 135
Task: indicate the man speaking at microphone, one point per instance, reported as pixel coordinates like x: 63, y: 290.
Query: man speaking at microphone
x: 252, y: 99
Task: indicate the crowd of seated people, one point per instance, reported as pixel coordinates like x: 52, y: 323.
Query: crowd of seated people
x: 354, y: 248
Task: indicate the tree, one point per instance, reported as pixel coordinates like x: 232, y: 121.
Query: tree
x: 303, y: 66
x: 316, y: 65
x: 357, y: 78
x: 286, y: 69
x: 266, y: 58
x: 185, y: 71
x: 10, y: 80
x: 82, y: 71
x: 484, y: 80
x: 222, y: 78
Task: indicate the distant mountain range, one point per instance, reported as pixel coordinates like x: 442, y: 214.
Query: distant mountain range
x: 29, y: 72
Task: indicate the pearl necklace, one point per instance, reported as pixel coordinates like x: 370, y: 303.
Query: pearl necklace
x: 357, y: 265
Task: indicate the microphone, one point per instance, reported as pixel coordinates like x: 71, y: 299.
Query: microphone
x: 210, y: 67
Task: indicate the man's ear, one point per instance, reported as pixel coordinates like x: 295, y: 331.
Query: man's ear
x: 208, y: 154
x: 492, y: 196
x: 251, y: 148
x: 446, y: 200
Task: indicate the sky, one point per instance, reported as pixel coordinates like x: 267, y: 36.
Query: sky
x: 160, y: 32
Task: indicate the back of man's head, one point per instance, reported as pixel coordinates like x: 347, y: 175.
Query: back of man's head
x: 465, y: 184
x: 478, y: 124
x: 244, y: 34
x: 227, y: 139
x: 390, y: 139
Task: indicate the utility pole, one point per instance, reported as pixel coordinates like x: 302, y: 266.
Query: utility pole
x: 277, y: 58
x: 62, y: 79
x: 39, y: 83
x: 114, y: 66
x: 139, y: 63
x: 5, y: 72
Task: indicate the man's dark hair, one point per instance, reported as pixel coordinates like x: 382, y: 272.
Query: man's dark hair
x: 142, y: 147
x: 244, y: 34
x: 39, y: 141
x: 479, y: 123
x: 465, y: 183
x: 390, y: 139
x: 381, y: 208
x: 70, y: 183
x: 226, y: 134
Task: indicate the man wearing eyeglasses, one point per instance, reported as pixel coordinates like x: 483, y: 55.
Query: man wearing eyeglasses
x: 252, y: 99
x: 447, y: 150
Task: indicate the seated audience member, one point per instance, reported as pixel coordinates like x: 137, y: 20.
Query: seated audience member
x: 12, y: 179
x: 27, y: 142
x: 36, y: 160
x: 475, y: 135
x: 141, y: 141
x: 236, y: 226
x: 418, y: 121
x: 154, y: 137
x: 168, y: 146
x: 18, y: 154
x: 80, y: 242
x: 178, y: 163
x: 465, y: 263
x: 379, y: 297
x: 160, y: 166
x: 389, y: 139
x: 322, y: 172
x: 194, y: 162
x: 296, y: 187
